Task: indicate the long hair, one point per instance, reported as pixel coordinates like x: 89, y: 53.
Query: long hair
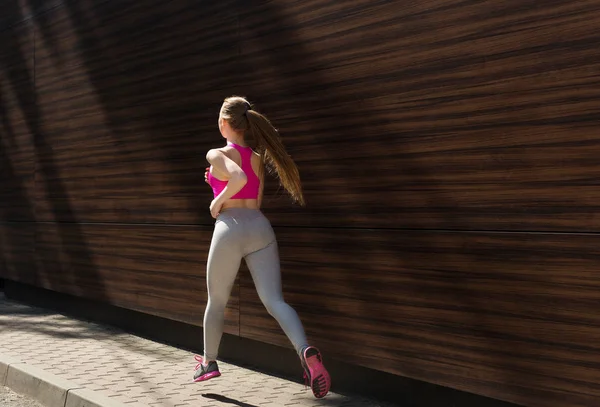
x: 263, y: 138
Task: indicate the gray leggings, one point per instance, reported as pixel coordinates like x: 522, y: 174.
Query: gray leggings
x: 245, y: 233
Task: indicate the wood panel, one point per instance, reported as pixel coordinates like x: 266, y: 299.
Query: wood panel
x: 159, y: 270
x: 11, y: 13
x: 440, y: 114
x: 129, y: 97
x: 16, y: 127
x: 513, y: 316
x: 17, y: 260
x: 435, y: 114
x: 471, y: 115
x: 14, y: 12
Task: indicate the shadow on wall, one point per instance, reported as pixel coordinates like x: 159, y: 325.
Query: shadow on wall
x: 29, y: 171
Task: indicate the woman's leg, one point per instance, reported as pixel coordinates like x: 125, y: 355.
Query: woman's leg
x: 224, y: 259
x: 264, y: 267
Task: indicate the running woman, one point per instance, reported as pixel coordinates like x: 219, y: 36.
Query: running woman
x: 236, y: 176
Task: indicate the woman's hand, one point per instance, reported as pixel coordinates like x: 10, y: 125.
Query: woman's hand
x: 215, y: 207
x: 206, y: 174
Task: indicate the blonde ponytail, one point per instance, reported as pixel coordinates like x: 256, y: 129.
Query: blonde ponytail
x: 260, y: 134
x: 270, y: 147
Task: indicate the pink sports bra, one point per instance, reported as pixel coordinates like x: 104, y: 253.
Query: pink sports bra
x: 251, y: 189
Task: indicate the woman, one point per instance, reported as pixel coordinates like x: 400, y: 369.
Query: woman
x: 236, y: 176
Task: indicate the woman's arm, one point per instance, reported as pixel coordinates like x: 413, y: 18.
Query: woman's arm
x: 229, y: 171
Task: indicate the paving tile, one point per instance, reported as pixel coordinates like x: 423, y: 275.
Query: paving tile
x: 116, y: 364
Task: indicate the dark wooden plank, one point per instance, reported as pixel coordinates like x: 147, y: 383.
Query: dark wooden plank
x: 14, y: 12
x: 122, y: 191
x: 513, y: 316
x: 127, y: 209
x: 17, y: 260
x: 418, y: 113
x: 16, y: 125
x: 434, y: 114
x: 159, y: 270
x: 129, y: 97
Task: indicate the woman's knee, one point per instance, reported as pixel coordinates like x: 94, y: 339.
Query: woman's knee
x: 217, y: 302
x: 275, y: 306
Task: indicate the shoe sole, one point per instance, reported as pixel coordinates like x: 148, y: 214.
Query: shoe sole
x: 317, y: 373
x: 207, y: 376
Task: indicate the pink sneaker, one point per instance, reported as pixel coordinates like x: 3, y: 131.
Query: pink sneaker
x: 315, y: 373
x: 205, y: 372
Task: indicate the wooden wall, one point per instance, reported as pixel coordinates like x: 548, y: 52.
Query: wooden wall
x: 449, y: 151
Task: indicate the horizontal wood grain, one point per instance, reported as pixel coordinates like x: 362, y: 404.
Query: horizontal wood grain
x: 512, y: 316
x: 122, y: 191
x: 16, y: 127
x: 17, y: 253
x: 158, y: 270
x: 437, y: 114
x: 130, y: 117
x: 14, y: 12
x: 441, y: 114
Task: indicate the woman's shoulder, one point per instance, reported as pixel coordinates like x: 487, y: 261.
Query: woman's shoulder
x: 214, y: 153
x: 226, y: 151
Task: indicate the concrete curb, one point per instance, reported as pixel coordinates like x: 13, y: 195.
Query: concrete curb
x: 48, y: 389
x: 5, y: 362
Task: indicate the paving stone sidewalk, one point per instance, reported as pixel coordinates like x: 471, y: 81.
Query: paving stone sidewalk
x: 138, y: 371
